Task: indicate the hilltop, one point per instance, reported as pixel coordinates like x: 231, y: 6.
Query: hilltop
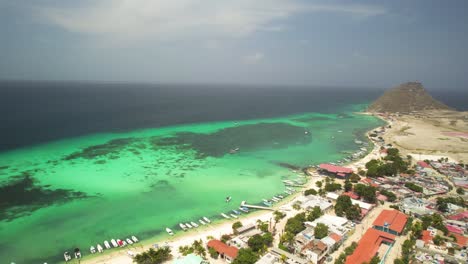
x: 405, y: 98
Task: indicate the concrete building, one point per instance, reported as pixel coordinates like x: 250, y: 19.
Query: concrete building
x: 391, y: 221
x: 228, y: 253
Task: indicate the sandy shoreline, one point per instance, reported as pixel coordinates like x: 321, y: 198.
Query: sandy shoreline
x: 120, y: 256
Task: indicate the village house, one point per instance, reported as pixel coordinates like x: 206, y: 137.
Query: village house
x: 335, y: 171
x: 371, y: 244
x: 391, y: 221
x: 315, y: 251
x: 228, y: 253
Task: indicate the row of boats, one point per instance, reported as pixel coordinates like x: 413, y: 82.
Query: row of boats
x: 114, y: 243
x: 189, y: 225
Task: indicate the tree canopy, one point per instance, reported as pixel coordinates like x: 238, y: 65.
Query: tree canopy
x: 320, y: 231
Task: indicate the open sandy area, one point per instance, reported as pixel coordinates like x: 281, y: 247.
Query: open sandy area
x: 435, y: 133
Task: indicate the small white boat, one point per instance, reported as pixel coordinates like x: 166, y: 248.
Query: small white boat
x: 194, y: 224
x: 188, y: 225
x: 202, y: 222
x: 267, y: 203
x: 106, y: 244
x: 275, y: 199
x: 99, y: 248
x: 234, y: 216
x: 92, y: 249
x: 265, y: 200
x: 228, y: 199
x: 206, y: 219
x: 169, y: 231
x: 244, y: 209
x: 280, y: 196
x: 135, y: 239
x: 236, y: 212
x: 225, y: 216
x: 182, y: 226
x: 129, y: 241
x: 66, y: 256
x: 114, y: 243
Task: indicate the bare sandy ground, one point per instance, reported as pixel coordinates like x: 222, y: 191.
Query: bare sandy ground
x: 437, y: 133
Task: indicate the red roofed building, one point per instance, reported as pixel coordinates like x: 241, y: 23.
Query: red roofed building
x: 454, y: 229
x: 369, y: 245
x: 460, y: 240
x: 459, y: 217
x: 423, y: 164
x: 352, y: 195
x: 229, y: 253
x: 391, y: 221
x: 336, y: 171
x: 426, y: 236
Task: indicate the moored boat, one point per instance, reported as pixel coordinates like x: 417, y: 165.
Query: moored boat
x: 182, y: 226
x: 129, y: 241
x: 99, y: 248
x: 169, y: 231
x: 77, y: 253
x: 244, y: 209
x: 120, y: 243
x: 236, y: 212
x: 206, y: 219
x: 225, y: 216
x: 194, y: 224
x: 234, y: 216
x: 135, y: 239
x: 202, y: 222
x: 92, y: 249
x: 106, y: 244
x: 188, y: 225
x: 114, y: 243
x: 66, y: 256
x: 267, y: 203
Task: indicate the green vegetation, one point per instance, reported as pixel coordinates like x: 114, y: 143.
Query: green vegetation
x: 366, y: 192
x: 235, y: 226
x: 310, y: 192
x: 196, y: 247
x: 263, y: 226
x: 153, y: 256
x: 460, y: 191
x: 394, y: 164
x: 246, y: 256
x: 442, y: 203
x: 344, y: 207
x: 259, y: 243
x: 375, y: 260
x: 437, y: 240
x: 434, y: 220
x: 347, y: 251
x: 320, y: 231
x: 390, y: 195
x: 225, y: 238
x: 295, y: 224
x: 314, y: 214
x: 278, y: 216
x: 213, y: 253
x: 319, y: 184
x: 348, y: 186
x: 414, y: 187
x: 331, y: 187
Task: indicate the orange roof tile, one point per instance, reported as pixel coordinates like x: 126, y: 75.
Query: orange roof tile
x: 335, y: 237
x: 369, y: 245
x: 426, y: 236
x: 395, y: 219
x: 462, y: 240
x: 222, y: 248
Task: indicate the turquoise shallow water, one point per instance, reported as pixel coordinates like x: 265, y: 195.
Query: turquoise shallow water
x: 82, y: 191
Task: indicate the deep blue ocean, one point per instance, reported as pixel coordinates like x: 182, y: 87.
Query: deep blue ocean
x: 37, y: 112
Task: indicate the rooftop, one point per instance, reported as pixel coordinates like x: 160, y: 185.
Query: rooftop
x: 369, y: 245
x: 393, y: 219
x: 222, y: 248
x: 334, y: 168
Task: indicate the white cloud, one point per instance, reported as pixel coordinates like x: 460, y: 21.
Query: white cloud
x: 253, y: 58
x: 167, y: 19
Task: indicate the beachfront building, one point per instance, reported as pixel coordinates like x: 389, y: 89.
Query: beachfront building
x: 228, y: 253
x: 391, y: 221
x: 335, y: 171
x: 336, y: 224
x: 310, y: 201
x: 374, y: 242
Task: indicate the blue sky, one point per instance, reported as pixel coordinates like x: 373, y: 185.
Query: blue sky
x: 337, y: 43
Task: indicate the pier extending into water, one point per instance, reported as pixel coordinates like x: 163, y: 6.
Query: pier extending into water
x: 244, y: 204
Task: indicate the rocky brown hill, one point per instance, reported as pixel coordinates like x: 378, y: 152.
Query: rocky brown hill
x: 405, y: 98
